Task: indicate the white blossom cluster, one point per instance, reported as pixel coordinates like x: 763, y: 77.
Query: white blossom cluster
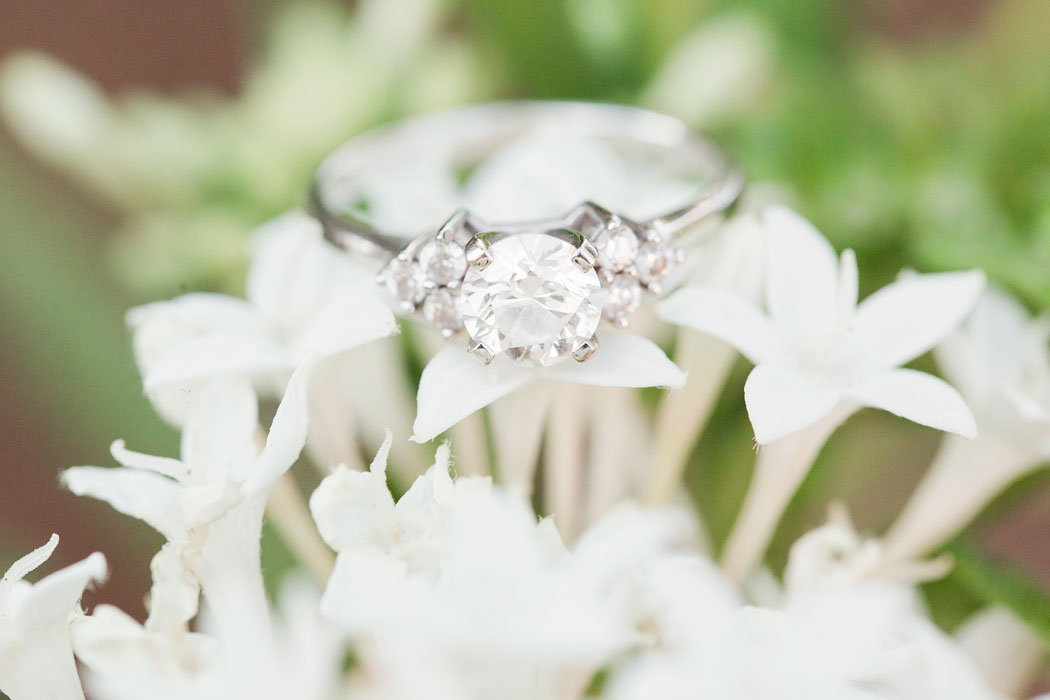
x: 457, y: 588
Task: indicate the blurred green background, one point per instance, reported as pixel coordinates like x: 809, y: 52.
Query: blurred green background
x: 915, y: 131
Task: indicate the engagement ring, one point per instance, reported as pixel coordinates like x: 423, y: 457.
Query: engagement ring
x: 532, y: 290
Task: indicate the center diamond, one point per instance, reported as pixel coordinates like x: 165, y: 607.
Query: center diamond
x: 531, y: 301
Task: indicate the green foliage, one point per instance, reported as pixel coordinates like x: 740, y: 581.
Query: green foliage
x: 993, y: 583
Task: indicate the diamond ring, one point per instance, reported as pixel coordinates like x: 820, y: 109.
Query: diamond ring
x: 533, y: 290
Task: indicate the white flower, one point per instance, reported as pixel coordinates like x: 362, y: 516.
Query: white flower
x: 126, y: 661
x: 458, y: 590
x: 36, y: 660
x: 836, y: 634
x: 129, y: 661
x: 1000, y: 360
x: 818, y: 349
x: 304, y: 300
x: 209, y: 505
x: 160, y: 659
x: 455, y: 384
x: 853, y: 623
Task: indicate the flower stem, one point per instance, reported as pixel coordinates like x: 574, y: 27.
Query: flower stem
x: 333, y: 425
x: 780, y: 469
x: 518, y: 421
x: 618, y: 446
x: 230, y: 575
x: 683, y: 415
x: 290, y: 516
x: 471, y: 446
x: 964, y: 476
x: 564, y: 469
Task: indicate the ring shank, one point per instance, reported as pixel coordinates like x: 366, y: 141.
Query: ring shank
x: 472, y: 133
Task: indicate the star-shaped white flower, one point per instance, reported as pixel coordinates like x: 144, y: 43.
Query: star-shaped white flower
x: 835, y: 632
x: 209, y: 505
x: 1000, y: 360
x: 455, y: 384
x: 304, y: 299
x: 36, y: 659
x: 817, y: 348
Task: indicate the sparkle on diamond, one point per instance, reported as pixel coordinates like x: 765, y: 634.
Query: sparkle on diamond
x: 531, y: 302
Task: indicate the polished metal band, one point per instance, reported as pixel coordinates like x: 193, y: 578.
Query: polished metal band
x: 472, y: 133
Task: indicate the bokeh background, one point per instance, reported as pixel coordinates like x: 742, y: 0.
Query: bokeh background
x: 137, y: 158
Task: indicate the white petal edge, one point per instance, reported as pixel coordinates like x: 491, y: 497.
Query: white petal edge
x: 216, y: 355
x: 190, y: 315
x: 917, y: 396
x: 165, y: 466
x: 622, y: 359
x: 723, y: 315
x: 455, y: 384
x: 781, y: 401
x: 279, y: 245
x: 802, y: 272
x: 287, y: 435
x: 355, y: 316
x: 355, y: 508
x: 26, y: 564
x: 908, y: 317
x: 53, y: 598
x: 148, y: 496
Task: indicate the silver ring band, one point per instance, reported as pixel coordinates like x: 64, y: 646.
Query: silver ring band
x: 473, y: 132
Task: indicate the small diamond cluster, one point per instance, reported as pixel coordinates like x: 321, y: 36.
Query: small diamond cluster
x: 427, y: 277
x: 628, y: 262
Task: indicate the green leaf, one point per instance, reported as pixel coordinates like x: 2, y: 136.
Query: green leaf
x: 994, y: 583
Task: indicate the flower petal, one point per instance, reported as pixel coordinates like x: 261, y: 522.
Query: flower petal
x: 52, y: 599
x: 161, y: 328
x: 150, y: 497
x: 917, y: 396
x: 287, y: 251
x: 622, y: 360
x: 355, y: 509
x: 802, y: 274
x: 225, y: 353
x: 26, y: 564
x: 165, y: 466
x: 455, y: 384
x: 846, y: 298
x: 287, y: 434
x: 992, y: 350
x: 724, y: 316
x: 218, y: 441
x: 905, y: 319
x: 174, y: 597
x: 781, y: 401
x: 353, y: 316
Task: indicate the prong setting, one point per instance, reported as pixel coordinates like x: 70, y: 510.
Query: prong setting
x: 480, y: 351
x: 586, y: 349
x: 586, y: 255
x: 478, y: 255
